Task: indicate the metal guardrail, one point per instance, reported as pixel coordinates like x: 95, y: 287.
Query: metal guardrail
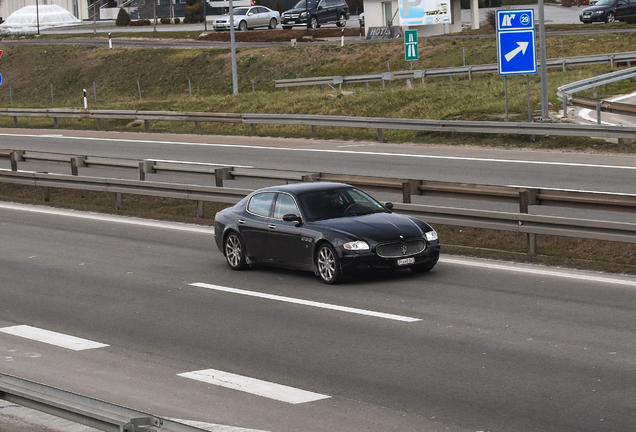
x: 80, y: 409
x: 563, y: 62
x: 522, y: 222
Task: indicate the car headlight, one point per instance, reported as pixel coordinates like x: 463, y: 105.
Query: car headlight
x: 431, y: 236
x: 356, y: 245
x: 599, y: 12
x: 303, y: 15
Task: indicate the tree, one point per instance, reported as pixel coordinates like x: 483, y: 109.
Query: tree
x: 194, y: 12
x: 123, y: 19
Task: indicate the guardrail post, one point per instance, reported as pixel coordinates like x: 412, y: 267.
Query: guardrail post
x: 470, y: 73
x: 15, y: 121
x: 142, y: 173
x: 99, y: 123
x: 380, y: 135
x: 200, y: 209
x: 563, y: 64
x: 73, y: 166
x: 612, y: 63
x: 528, y: 197
x: 119, y: 201
x: 409, y: 187
x: 253, y: 128
x: 197, y: 126
x: 222, y: 174
x: 46, y: 194
x: 14, y: 161
x: 147, y: 124
x: 56, y: 122
x: 313, y: 130
x: 598, y: 112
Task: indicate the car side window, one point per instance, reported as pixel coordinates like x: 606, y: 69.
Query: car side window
x: 285, y: 204
x: 261, y: 204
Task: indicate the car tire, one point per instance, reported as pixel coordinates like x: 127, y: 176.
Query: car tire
x: 242, y: 26
x: 313, y: 22
x: 234, y: 250
x: 273, y: 23
x: 610, y: 17
x: 342, y: 20
x: 328, y: 264
x: 422, y: 268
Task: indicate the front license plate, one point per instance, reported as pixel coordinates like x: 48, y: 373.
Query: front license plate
x: 406, y: 261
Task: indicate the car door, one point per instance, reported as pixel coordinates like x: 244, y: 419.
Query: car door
x: 289, y: 247
x: 253, y: 227
x: 322, y: 12
x: 623, y: 9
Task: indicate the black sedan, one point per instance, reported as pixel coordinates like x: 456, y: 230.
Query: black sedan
x: 332, y: 229
x: 608, y: 11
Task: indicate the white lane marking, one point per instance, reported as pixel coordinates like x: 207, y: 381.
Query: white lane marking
x: 353, y: 152
x: 254, y: 386
x: 108, y: 218
x: 52, y: 338
x: 213, y: 427
x: 539, y: 271
x: 307, y: 302
x: 210, y: 230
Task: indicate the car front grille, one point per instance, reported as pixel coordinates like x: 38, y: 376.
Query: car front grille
x: 400, y: 249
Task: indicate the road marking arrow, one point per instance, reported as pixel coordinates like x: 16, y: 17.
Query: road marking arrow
x: 523, y: 46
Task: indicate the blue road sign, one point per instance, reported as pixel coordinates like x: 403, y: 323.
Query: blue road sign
x: 516, y: 46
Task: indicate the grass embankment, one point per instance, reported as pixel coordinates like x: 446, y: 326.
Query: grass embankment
x: 163, y: 76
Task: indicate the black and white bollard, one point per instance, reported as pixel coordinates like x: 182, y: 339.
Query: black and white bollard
x: 341, y: 37
x: 110, y: 42
x: 85, y: 100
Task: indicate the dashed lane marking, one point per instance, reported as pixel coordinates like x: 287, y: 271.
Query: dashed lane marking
x: 52, y: 338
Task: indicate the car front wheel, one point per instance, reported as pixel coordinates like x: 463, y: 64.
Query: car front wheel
x: 328, y: 264
x: 242, y: 26
x: 610, y: 17
x: 235, y: 252
x: 273, y: 23
x: 313, y: 23
x: 342, y: 20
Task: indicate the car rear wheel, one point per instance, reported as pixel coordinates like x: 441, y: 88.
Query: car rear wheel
x: 610, y: 17
x: 242, y: 26
x: 313, y: 22
x: 273, y: 23
x: 328, y: 264
x: 342, y: 20
x: 235, y: 251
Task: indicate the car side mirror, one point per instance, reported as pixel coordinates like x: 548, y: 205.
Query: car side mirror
x: 388, y: 205
x: 292, y: 218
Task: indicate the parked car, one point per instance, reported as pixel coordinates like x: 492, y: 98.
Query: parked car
x: 333, y: 229
x: 318, y: 12
x: 248, y: 18
x: 608, y: 11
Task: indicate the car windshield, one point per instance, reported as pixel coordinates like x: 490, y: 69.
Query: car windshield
x: 605, y: 3
x: 240, y: 11
x: 302, y: 4
x: 336, y: 203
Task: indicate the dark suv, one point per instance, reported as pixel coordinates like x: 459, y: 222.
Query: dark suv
x: 608, y: 11
x: 318, y: 11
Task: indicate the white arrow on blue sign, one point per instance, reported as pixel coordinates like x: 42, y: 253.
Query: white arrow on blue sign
x: 516, y: 46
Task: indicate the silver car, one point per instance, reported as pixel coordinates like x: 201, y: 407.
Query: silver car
x: 249, y: 18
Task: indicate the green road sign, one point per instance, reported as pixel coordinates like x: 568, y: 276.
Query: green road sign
x: 411, y: 51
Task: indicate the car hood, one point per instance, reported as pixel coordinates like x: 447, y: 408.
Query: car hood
x: 375, y: 228
x: 295, y: 11
x: 596, y: 8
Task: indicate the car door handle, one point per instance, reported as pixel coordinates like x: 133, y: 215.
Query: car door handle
x: 241, y: 221
x: 271, y: 226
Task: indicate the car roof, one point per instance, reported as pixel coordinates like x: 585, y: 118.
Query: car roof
x: 297, y: 188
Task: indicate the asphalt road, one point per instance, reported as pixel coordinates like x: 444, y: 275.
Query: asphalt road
x: 489, y: 346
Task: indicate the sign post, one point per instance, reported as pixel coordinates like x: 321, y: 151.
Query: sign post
x: 411, y: 50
